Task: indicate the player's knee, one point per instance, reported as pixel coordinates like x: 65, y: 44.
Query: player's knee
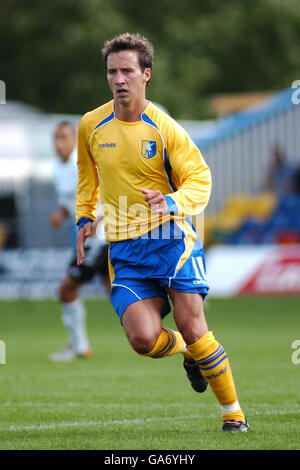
x: 142, y: 343
x: 63, y: 293
x: 66, y: 294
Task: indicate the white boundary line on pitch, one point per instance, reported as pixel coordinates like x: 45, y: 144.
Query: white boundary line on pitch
x: 103, y: 405
x: 76, y: 424
x: 253, y: 406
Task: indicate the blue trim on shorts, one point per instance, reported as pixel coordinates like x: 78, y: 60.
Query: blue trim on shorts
x: 128, y: 291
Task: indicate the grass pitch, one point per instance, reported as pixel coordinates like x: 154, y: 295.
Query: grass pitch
x: 118, y: 400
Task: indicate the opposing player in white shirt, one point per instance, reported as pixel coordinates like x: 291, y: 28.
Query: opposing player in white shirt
x: 73, y: 310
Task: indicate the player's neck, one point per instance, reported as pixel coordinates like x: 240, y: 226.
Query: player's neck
x: 131, y: 112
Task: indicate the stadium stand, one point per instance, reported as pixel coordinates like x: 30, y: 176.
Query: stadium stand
x: 241, y: 150
x: 237, y: 147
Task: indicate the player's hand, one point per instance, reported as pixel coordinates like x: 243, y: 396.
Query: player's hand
x: 156, y: 201
x: 58, y: 217
x: 83, y: 234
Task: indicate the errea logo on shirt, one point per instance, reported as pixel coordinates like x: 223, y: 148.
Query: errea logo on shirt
x: 107, y: 145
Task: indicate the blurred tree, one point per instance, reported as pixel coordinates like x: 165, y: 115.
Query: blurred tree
x: 51, y: 52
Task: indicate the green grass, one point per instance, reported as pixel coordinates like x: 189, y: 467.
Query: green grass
x: 118, y: 400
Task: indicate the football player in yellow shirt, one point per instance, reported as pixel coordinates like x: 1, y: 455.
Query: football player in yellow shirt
x: 152, y: 179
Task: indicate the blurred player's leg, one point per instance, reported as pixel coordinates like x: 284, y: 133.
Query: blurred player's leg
x: 101, y: 267
x: 74, y: 319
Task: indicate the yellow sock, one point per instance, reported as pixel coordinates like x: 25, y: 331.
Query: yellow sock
x: 168, y: 343
x: 214, y: 365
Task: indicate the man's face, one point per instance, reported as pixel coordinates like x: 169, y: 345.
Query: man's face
x: 126, y: 79
x: 65, y: 141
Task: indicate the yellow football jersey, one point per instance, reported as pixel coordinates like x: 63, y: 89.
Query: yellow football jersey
x: 119, y: 159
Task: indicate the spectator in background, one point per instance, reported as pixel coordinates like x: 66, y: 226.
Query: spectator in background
x: 73, y: 309
x: 281, y: 174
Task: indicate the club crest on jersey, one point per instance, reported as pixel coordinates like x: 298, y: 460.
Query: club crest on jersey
x: 148, y: 148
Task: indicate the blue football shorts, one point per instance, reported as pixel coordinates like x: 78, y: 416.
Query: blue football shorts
x: 143, y: 267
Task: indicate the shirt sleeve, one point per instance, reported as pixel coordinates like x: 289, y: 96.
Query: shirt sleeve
x: 88, y: 191
x: 189, y: 173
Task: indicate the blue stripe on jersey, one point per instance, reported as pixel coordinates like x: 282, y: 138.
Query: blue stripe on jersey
x: 168, y: 169
x: 147, y: 120
x: 172, y: 207
x: 109, y: 118
x: 167, y: 164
